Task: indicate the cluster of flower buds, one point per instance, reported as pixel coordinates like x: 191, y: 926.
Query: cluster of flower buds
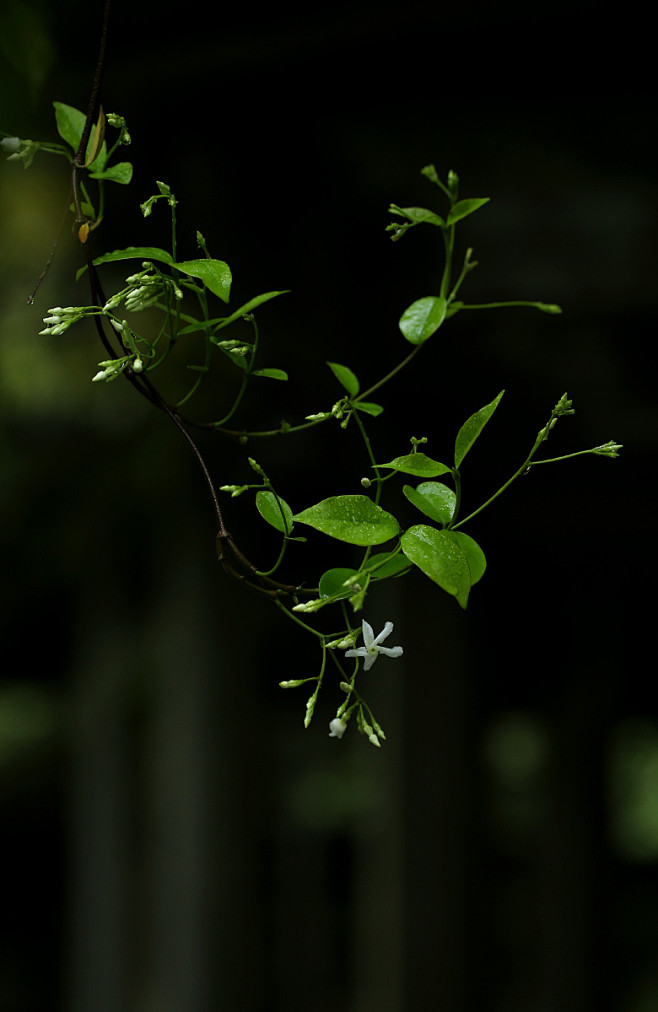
x: 609, y: 449
x: 113, y: 367
x: 60, y: 319
x: 119, y: 123
x: 145, y: 288
x: 235, y: 490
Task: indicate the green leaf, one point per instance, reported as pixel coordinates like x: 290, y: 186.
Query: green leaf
x: 472, y: 428
x: 477, y: 562
x: 331, y: 583
x: 419, y: 464
x: 346, y: 378
x: 135, y: 253
x: 441, y: 555
x: 418, y: 215
x: 271, y: 510
x: 275, y: 374
x: 352, y: 518
x: 122, y: 173
x: 70, y: 124
x: 368, y: 408
x: 465, y: 207
x: 423, y: 318
x: 393, y: 566
x: 215, y: 274
x: 435, y: 500
x: 223, y: 321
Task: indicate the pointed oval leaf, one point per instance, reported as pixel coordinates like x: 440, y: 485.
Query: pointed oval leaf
x: 441, y: 557
x: 417, y: 214
x: 345, y: 377
x: 274, y: 374
x: 135, y: 253
x: 475, y: 557
x: 419, y: 464
x: 423, y: 318
x: 332, y: 583
x: 435, y: 500
x: 215, y: 274
x: 352, y: 518
x: 464, y: 207
x: 70, y: 125
x: 472, y: 428
x: 276, y: 513
x: 122, y: 173
x: 369, y: 408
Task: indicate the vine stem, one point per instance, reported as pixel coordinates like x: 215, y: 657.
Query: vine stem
x: 389, y: 375
x: 254, y: 579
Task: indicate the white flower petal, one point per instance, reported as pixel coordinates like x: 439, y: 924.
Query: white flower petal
x: 391, y: 651
x: 368, y: 634
x: 371, y: 648
x: 386, y: 631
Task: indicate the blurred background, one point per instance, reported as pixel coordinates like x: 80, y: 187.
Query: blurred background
x: 172, y: 839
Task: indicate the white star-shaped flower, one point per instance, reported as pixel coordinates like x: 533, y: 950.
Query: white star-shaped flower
x: 371, y: 645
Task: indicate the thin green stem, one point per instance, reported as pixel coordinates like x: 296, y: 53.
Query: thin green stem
x: 449, y: 241
x: 517, y: 473
x: 389, y: 375
x: 555, y: 460
x: 298, y: 621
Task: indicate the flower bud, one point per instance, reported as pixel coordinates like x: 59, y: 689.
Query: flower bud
x: 11, y: 145
x: 337, y: 728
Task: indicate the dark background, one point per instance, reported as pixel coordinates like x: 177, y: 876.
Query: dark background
x: 173, y: 840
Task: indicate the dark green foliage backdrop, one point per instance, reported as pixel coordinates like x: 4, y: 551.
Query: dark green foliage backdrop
x: 172, y: 838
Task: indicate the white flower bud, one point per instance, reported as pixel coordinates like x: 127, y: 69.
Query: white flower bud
x: 337, y: 728
x: 11, y: 145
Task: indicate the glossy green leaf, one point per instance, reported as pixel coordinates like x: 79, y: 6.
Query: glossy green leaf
x: 465, y: 207
x: 345, y: 377
x: 275, y: 512
x: 441, y: 556
x: 352, y: 518
x: 477, y: 562
x: 275, y: 374
x: 215, y: 274
x: 419, y: 464
x: 122, y: 173
x: 435, y: 500
x: 331, y: 583
x: 368, y: 408
x: 472, y: 428
x: 423, y: 318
